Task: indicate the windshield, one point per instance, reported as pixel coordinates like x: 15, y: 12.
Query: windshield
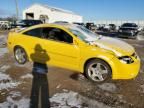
x: 129, y: 25
x: 83, y: 33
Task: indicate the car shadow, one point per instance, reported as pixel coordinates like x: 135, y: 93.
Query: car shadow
x: 78, y: 77
x: 40, y: 88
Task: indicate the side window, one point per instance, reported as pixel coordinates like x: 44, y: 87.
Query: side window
x: 57, y: 34
x: 34, y: 32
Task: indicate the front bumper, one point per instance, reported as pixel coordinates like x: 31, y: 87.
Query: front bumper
x: 125, y: 71
x: 128, y: 33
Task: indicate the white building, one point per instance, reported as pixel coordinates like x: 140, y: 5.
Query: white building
x: 50, y: 14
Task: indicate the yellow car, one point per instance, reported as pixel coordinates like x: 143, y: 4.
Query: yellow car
x: 75, y: 47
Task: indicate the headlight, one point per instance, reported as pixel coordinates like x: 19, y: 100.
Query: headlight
x: 126, y: 59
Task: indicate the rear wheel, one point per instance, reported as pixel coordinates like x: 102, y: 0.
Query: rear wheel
x: 20, y: 55
x: 98, y: 71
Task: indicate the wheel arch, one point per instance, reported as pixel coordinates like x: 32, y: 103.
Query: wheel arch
x: 94, y: 58
x: 19, y: 46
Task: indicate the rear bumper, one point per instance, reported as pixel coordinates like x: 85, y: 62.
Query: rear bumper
x: 125, y: 71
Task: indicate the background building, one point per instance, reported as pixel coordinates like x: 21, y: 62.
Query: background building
x: 50, y: 14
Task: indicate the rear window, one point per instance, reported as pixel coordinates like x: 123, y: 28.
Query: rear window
x: 34, y: 32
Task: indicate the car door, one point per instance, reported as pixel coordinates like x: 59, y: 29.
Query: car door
x: 60, y: 48
x: 31, y: 43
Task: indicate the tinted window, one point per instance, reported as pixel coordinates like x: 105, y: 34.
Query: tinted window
x: 129, y: 25
x: 34, y: 32
x: 56, y: 34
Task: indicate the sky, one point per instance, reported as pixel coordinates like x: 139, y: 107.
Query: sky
x: 89, y: 9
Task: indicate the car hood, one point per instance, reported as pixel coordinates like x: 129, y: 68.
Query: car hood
x: 120, y: 48
x: 129, y: 28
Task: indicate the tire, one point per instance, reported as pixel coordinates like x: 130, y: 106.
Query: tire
x: 98, y: 71
x: 20, y: 55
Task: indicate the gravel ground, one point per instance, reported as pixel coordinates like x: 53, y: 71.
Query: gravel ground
x: 65, y: 88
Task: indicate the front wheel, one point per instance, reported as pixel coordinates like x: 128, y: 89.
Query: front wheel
x: 98, y: 71
x: 20, y: 55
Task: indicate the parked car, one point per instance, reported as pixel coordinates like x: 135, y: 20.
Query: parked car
x: 4, y: 25
x: 129, y: 30
x: 77, y: 48
x: 25, y: 23
x: 140, y: 28
x: 106, y: 28
x: 91, y: 26
x: 100, y: 27
x: 112, y: 27
x: 140, y: 35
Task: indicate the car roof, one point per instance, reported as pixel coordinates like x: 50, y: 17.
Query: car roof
x: 129, y: 24
x: 59, y: 25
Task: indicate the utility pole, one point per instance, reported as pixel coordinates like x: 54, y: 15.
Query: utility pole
x: 17, y: 11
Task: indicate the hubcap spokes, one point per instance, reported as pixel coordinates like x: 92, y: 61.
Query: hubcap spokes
x: 97, y: 72
x: 20, y: 55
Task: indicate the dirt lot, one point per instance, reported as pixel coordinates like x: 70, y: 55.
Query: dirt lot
x: 66, y: 88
